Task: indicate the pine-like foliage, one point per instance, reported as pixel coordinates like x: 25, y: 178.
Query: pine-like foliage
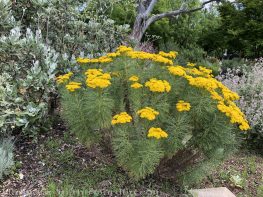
x: 177, y: 121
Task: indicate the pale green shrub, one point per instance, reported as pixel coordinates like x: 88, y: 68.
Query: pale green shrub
x: 6, y: 156
x: 28, y: 70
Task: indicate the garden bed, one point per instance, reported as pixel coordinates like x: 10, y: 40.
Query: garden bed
x: 58, y: 162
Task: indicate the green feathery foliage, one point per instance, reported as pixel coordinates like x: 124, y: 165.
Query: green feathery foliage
x: 160, y: 113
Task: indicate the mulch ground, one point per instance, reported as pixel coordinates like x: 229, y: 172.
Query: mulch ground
x: 31, y: 175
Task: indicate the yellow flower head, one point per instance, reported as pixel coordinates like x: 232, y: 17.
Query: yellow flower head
x: 134, y: 78
x: 229, y: 95
x: 72, y: 86
x: 113, y: 54
x: 122, y: 49
x: 63, y: 78
x: 94, y: 72
x: 157, y: 133
x: 234, y: 113
x: 190, y: 64
x: 103, y: 59
x: 144, y: 55
x: 148, y: 113
x: 205, y: 71
x: 136, y: 85
x: 244, y: 126
x: 177, y: 70
x: 97, y: 79
x: 171, y: 54
x: 158, y: 85
x: 183, y: 106
x: 121, y: 118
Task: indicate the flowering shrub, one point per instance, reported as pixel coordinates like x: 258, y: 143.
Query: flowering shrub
x: 249, y: 84
x: 150, y: 109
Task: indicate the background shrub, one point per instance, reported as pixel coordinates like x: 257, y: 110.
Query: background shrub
x: 248, y: 83
x: 71, y: 26
x: 28, y: 70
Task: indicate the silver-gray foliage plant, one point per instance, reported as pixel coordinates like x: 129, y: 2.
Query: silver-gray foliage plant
x: 248, y: 83
x: 28, y: 68
x: 30, y: 61
x: 6, y: 156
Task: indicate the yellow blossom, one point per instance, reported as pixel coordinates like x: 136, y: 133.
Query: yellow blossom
x: 148, y: 113
x: 136, y: 85
x: 63, y: 78
x: 158, y: 85
x: 134, y: 78
x: 144, y: 55
x: 183, y: 106
x: 72, y: 86
x: 177, y: 70
x: 171, y: 54
x: 205, y: 71
x: 103, y: 59
x: 122, y: 49
x: 190, y: 64
x: 113, y: 54
x: 121, y: 118
x: 97, y: 79
x: 234, y: 113
x: 157, y: 133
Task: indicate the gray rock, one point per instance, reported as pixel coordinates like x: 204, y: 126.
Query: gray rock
x: 212, y: 192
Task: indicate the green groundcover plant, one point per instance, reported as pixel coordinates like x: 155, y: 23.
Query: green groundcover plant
x: 152, y: 112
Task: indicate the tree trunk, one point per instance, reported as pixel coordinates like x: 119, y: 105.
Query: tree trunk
x: 137, y: 32
x: 144, y: 18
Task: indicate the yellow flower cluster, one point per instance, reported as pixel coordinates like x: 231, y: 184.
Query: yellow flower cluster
x: 183, y: 106
x: 72, y: 86
x: 213, y: 86
x: 97, y: 79
x: 122, y: 49
x: 171, y: 54
x: 103, y: 59
x: 148, y: 113
x: 134, y: 78
x: 177, y: 70
x: 234, y: 113
x: 121, y: 118
x: 202, y: 71
x: 62, y: 78
x: 150, y: 56
x: 113, y: 54
x: 136, y: 85
x: 156, y: 85
x: 157, y: 133
x: 222, y: 95
x: 190, y: 64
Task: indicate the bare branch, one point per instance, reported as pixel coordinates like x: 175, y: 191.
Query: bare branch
x: 150, y: 8
x: 175, y: 13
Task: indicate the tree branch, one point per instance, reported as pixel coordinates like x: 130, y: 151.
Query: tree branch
x: 150, y: 8
x: 175, y: 13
